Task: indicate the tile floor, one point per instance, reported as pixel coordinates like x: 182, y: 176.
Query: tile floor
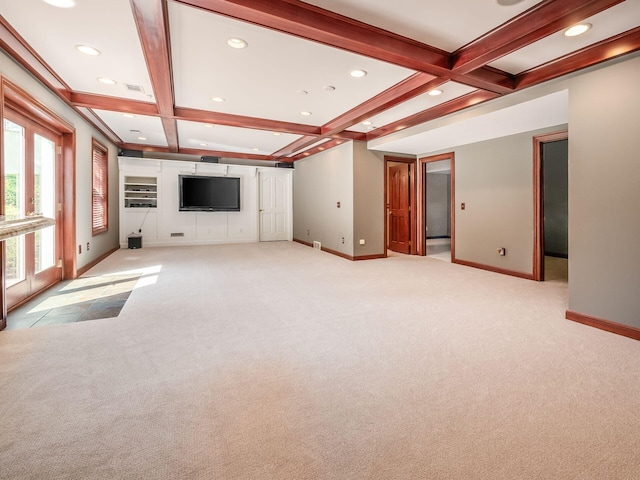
x: 85, y: 298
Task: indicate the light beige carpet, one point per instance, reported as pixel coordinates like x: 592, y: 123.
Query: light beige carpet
x: 277, y: 361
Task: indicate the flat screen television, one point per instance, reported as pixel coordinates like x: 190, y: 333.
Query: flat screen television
x: 208, y: 194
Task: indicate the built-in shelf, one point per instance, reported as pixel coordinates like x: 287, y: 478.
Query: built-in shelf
x: 140, y: 192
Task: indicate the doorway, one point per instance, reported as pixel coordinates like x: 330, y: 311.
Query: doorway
x: 275, y: 204
x: 436, y: 220
x: 551, y: 255
x: 31, y: 185
x: 399, y: 200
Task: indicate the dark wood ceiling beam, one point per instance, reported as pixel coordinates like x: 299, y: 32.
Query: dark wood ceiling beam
x: 152, y: 23
x: 312, y: 151
x: 113, y: 104
x: 616, y: 46
x: 313, y: 23
x: 452, y: 106
x: 21, y: 52
x: 411, y: 87
x: 195, y: 151
x: 545, y: 18
x: 231, y: 120
x: 295, y: 146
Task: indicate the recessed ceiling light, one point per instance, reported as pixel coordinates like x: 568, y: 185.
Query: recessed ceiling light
x: 367, y: 122
x: 301, y: 92
x: 329, y: 88
x: 576, y: 30
x: 142, y: 138
x: 237, y: 43
x: 61, y: 3
x: 106, y: 81
x: 435, y: 92
x: 358, y: 73
x: 203, y: 144
x: 255, y: 149
x: 508, y: 3
x: 217, y: 99
x: 128, y: 115
x: 277, y: 134
x: 208, y: 125
x: 87, y: 50
x: 305, y: 113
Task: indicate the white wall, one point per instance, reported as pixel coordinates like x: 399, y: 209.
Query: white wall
x: 102, y: 243
x: 319, y: 183
x: 197, y: 228
x: 604, y: 193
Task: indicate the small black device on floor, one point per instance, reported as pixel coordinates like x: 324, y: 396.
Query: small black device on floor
x: 134, y: 240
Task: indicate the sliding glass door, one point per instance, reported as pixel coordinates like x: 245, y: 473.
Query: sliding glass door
x: 31, y: 186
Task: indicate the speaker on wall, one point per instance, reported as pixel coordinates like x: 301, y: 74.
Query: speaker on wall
x: 130, y: 153
x: 284, y: 165
x: 208, y: 159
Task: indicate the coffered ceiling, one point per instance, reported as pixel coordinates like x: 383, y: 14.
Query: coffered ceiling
x: 290, y: 92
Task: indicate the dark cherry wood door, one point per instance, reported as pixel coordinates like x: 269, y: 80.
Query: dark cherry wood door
x: 399, y: 208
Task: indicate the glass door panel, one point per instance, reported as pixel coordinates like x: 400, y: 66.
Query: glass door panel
x: 44, y: 200
x: 14, y: 195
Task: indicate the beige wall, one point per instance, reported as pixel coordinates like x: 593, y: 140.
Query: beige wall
x: 104, y: 242
x: 368, y: 185
x: 604, y: 193
x: 319, y: 183
x: 495, y: 181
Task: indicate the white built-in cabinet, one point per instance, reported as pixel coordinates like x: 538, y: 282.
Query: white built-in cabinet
x: 149, y: 204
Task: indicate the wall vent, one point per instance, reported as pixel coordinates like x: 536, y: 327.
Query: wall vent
x: 177, y: 234
x: 134, y: 88
x: 317, y: 245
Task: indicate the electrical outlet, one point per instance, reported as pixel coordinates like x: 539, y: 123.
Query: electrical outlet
x: 88, y: 246
x: 342, y: 239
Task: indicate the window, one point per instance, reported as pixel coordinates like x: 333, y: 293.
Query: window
x: 100, y: 189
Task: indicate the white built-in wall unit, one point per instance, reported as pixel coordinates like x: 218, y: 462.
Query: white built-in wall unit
x: 149, y: 204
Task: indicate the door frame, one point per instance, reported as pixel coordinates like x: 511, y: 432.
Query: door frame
x: 538, y: 199
x: 27, y: 105
x: 422, y: 204
x: 412, y: 199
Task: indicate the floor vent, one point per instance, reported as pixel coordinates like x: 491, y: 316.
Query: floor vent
x: 317, y: 245
x: 177, y: 234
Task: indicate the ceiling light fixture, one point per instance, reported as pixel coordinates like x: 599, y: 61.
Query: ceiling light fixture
x: 358, y: 73
x: 578, y: 29
x: 277, y: 134
x: 61, y: 3
x: 87, y: 50
x: 435, y: 92
x: 208, y: 125
x: 142, y: 138
x: 128, y: 115
x: 367, y: 122
x: 237, y: 43
x: 255, y: 149
x: 217, y: 99
x: 305, y: 113
x: 301, y: 92
x: 329, y: 88
x: 203, y: 144
x: 106, y: 81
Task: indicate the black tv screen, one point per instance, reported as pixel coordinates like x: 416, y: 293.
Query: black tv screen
x: 209, y: 194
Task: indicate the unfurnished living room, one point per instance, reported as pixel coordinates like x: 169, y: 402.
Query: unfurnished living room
x: 327, y: 239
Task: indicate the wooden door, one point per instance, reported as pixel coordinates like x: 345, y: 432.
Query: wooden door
x: 32, y: 185
x: 399, y: 205
x: 274, y: 221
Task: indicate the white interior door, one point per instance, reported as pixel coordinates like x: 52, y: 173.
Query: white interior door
x: 274, y: 207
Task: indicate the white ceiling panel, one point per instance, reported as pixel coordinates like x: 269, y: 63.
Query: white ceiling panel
x: 447, y: 25
x: 620, y: 18
x: 106, y: 26
x: 450, y: 91
x: 263, y: 80
x: 130, y: 129
x: 220, y: 137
